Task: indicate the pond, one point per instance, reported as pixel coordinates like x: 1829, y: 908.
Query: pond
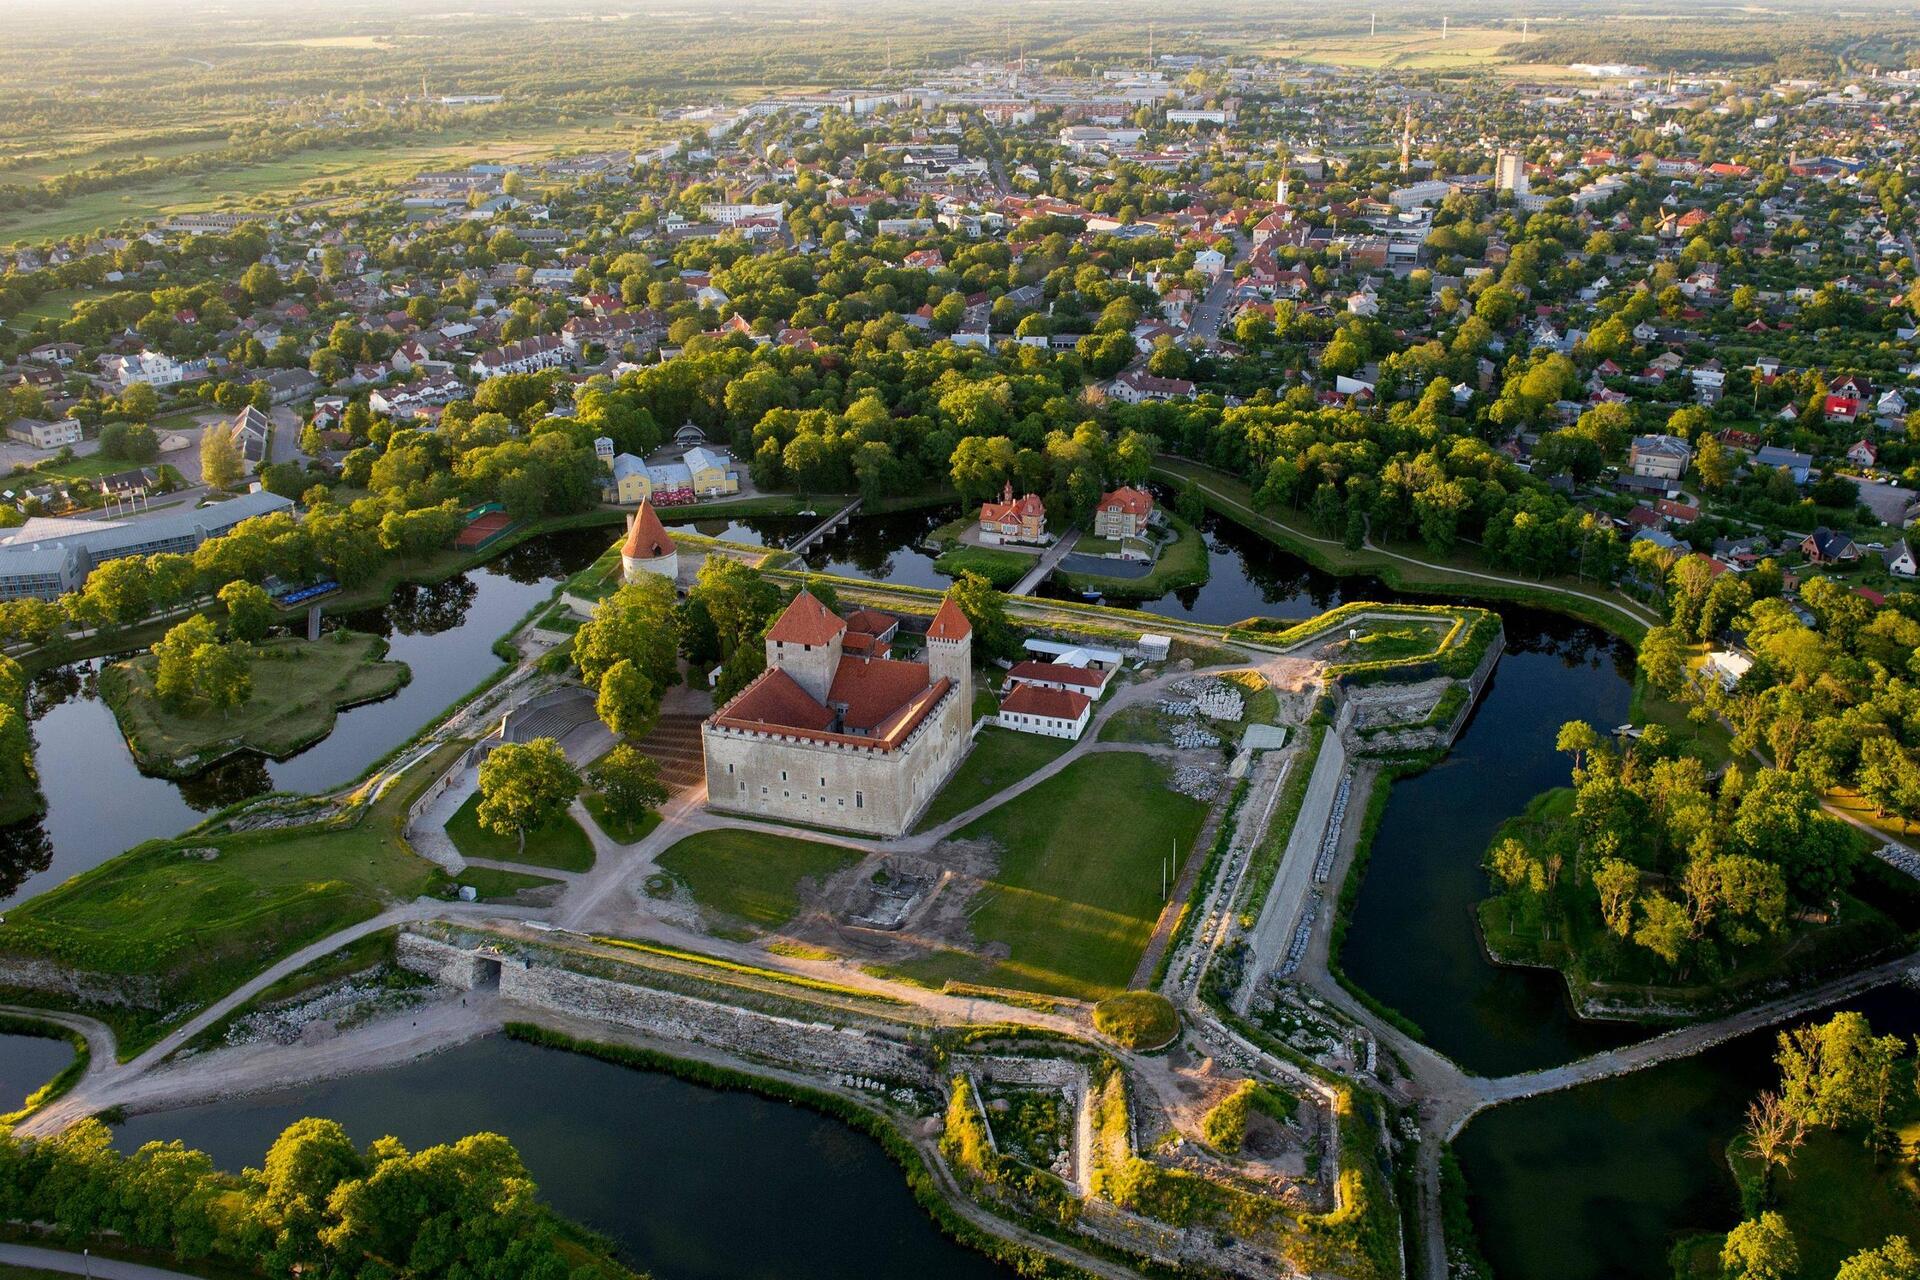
x: 99, y: 804
x: 26, y: 1063
x: 1598, y: 1182
x: 691, y: 1183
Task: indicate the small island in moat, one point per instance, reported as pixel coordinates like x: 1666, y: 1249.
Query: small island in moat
x: 297, y: 689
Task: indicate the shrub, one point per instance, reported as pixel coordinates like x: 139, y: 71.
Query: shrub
x: 1138, y: 1019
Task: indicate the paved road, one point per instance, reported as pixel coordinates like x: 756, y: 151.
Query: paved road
x: 26, y: 1255
x: 1207, y: 317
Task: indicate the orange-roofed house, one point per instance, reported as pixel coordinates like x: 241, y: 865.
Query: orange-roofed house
x: 649, y: 547
x: 1124, y: 513
x: 1012, y: 519
x: 1052, y: 713
x: 838, y: 734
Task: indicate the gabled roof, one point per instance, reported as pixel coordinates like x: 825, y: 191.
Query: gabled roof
x: 1130, y: 500
x: 873, y: 690
x: 806, y: 621
x: 1036, y: 700
x: 648, y: 538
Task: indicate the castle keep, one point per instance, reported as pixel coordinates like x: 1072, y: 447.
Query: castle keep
x: 837, y: 733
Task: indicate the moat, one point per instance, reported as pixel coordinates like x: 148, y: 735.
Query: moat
x: 597, y: 1141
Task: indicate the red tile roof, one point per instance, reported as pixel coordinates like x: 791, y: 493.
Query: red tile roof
x: 871, y: 622
x: 949, y: 623
x: 872, y: 690
x: 648, y: 538
x: 1058, y: 673
x: 1056, y: 704
x: 806, y: 621
x: 776, y: 700
x: 1130, y: 500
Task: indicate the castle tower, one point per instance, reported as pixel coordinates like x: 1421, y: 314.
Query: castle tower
x: 649, y: 547
x: 806, y: 644
x: 950, y: 651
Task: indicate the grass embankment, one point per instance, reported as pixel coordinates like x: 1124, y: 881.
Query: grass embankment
x: 751, y: 876
x: 1138, y: 1019
x: 1182, y: 563
x: 1837, y: 1197
x: 1601, y: 968
x: 1458, y: 574
x: 1001, y: 568
x: 173, y: 929
x: 1078, y: 887
x: 561, y: 844
x: 299, y: 688
x: 1000, y: 758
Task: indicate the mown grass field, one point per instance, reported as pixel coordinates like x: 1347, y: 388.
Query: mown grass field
x: 1422, y: 49
x: 291, y: 179
x: 1000, y: 758
x: 561, y: 845
x: 750, y: 875
x: 1078, y: 886
x: 299, y: 686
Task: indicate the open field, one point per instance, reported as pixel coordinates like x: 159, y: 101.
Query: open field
x: 299, y: 687
x: 1464, y: 48
x: 751, y: 875
x: 289, y: 179
x: 1000, y: 758
x: 1078, y: 887
x: 561, y: 845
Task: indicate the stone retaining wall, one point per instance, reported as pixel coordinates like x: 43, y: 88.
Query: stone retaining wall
x: 788, y: 1042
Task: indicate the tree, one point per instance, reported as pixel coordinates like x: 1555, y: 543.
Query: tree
x: 220, y: 460
x: 986, y: 611
x: 250, y: 610
x: 1837, y: 1074
x: 1663, y: 657
x: 629, y: 781
x: 525, y: 786
x: 628, y: 703
x: 1664, y: 927
x: 1576, y: 739
x: 1760, y: 1249
x: 173, y: 671
x: 1773, y: 1133
x: 1617, y: 881
x: 1894, y: 1260
x: 220, y: 676
x: 638, y: 623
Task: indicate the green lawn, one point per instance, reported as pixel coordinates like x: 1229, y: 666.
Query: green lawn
x: 1001, y: 568
x: 561, y: 845
x: 1838, y: 1200
x: 299, y: 686
x: 1000, y: 758
x: 192, y: 928
x: 618, y: 828
x: 495, y: 885
x: 1135, y: 724
x: 1078, y: 887
x: 751, y: 875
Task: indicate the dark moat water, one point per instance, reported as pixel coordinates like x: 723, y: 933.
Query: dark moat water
x: 26, y: 1063
x: 692, y: 1183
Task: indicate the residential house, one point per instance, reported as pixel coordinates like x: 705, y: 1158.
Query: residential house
x: 1829, y: 546
x: 1013, y: 519
x: 1659, y: 457
x: 1123, y: 513
x: 44, y: 435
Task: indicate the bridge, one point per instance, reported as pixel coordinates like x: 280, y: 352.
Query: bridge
x: 826, y: 526
x: 1049, y: 561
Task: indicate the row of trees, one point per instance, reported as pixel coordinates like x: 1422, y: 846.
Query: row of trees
x: 317, y: 1206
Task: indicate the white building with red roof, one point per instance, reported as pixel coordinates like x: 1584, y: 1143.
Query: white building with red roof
x: 1052, y: 713
x: 834, y: 732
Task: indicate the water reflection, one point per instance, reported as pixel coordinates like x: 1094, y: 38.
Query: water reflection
x: 99, y: 803
x: 24, y: 851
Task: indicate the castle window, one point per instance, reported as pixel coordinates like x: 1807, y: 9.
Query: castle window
x: 763, y: 791
x: 786, y: 795
x: 859, y: 799
x: 729, y: 768
x: 783, y: 775
x: 823, y: 782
